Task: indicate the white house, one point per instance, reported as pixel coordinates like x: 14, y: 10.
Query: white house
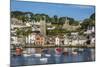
x: 74, y: 33
x: 90, y: 30
x: 82, y: 42
x: 92, y: 41
x: 66, y: 41
x: 93, y: 29
x: 57, y: 41
x: 74, y: 42
x: 30, y: 38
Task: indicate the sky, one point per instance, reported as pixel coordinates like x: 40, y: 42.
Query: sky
x: 78, y: 12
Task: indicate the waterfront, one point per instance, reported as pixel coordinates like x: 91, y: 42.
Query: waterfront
x: 86, y: 55
x: 51, y: 37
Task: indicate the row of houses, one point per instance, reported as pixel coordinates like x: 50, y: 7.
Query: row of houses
x: 39, y: 37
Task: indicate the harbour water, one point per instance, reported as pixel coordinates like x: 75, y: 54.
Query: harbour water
x: 87, y: 54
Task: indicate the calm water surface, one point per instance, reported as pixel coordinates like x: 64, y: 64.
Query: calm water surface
x: 84, y: 56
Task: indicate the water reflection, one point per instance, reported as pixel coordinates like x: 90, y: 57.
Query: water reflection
x: 86, y: 54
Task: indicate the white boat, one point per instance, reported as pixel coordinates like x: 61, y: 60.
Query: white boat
x: 47, y: 55
x: 44, y: 60
x: 26, y: 55
x: 74, y: 53
x: 37, y: 55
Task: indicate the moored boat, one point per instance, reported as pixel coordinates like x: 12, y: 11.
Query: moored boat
x: 58, y: 51
x: 43, y: 60
x: 47, y: 55
x: 37, y: 55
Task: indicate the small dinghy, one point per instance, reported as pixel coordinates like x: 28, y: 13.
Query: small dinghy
x: 37, y: 55
x: 43, y: 60
x: 74, y: 52
x: 58, y: 51
x: 26, y: 55
x: 47, y: 55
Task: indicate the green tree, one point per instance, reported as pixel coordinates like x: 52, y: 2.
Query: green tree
x: 86, y: 23
x: 62, y: 20
x: 89, y: 22
x: 92, y: 16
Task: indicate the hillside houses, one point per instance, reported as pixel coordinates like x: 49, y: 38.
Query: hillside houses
x: 35, y: 33
x: 36, y: 30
